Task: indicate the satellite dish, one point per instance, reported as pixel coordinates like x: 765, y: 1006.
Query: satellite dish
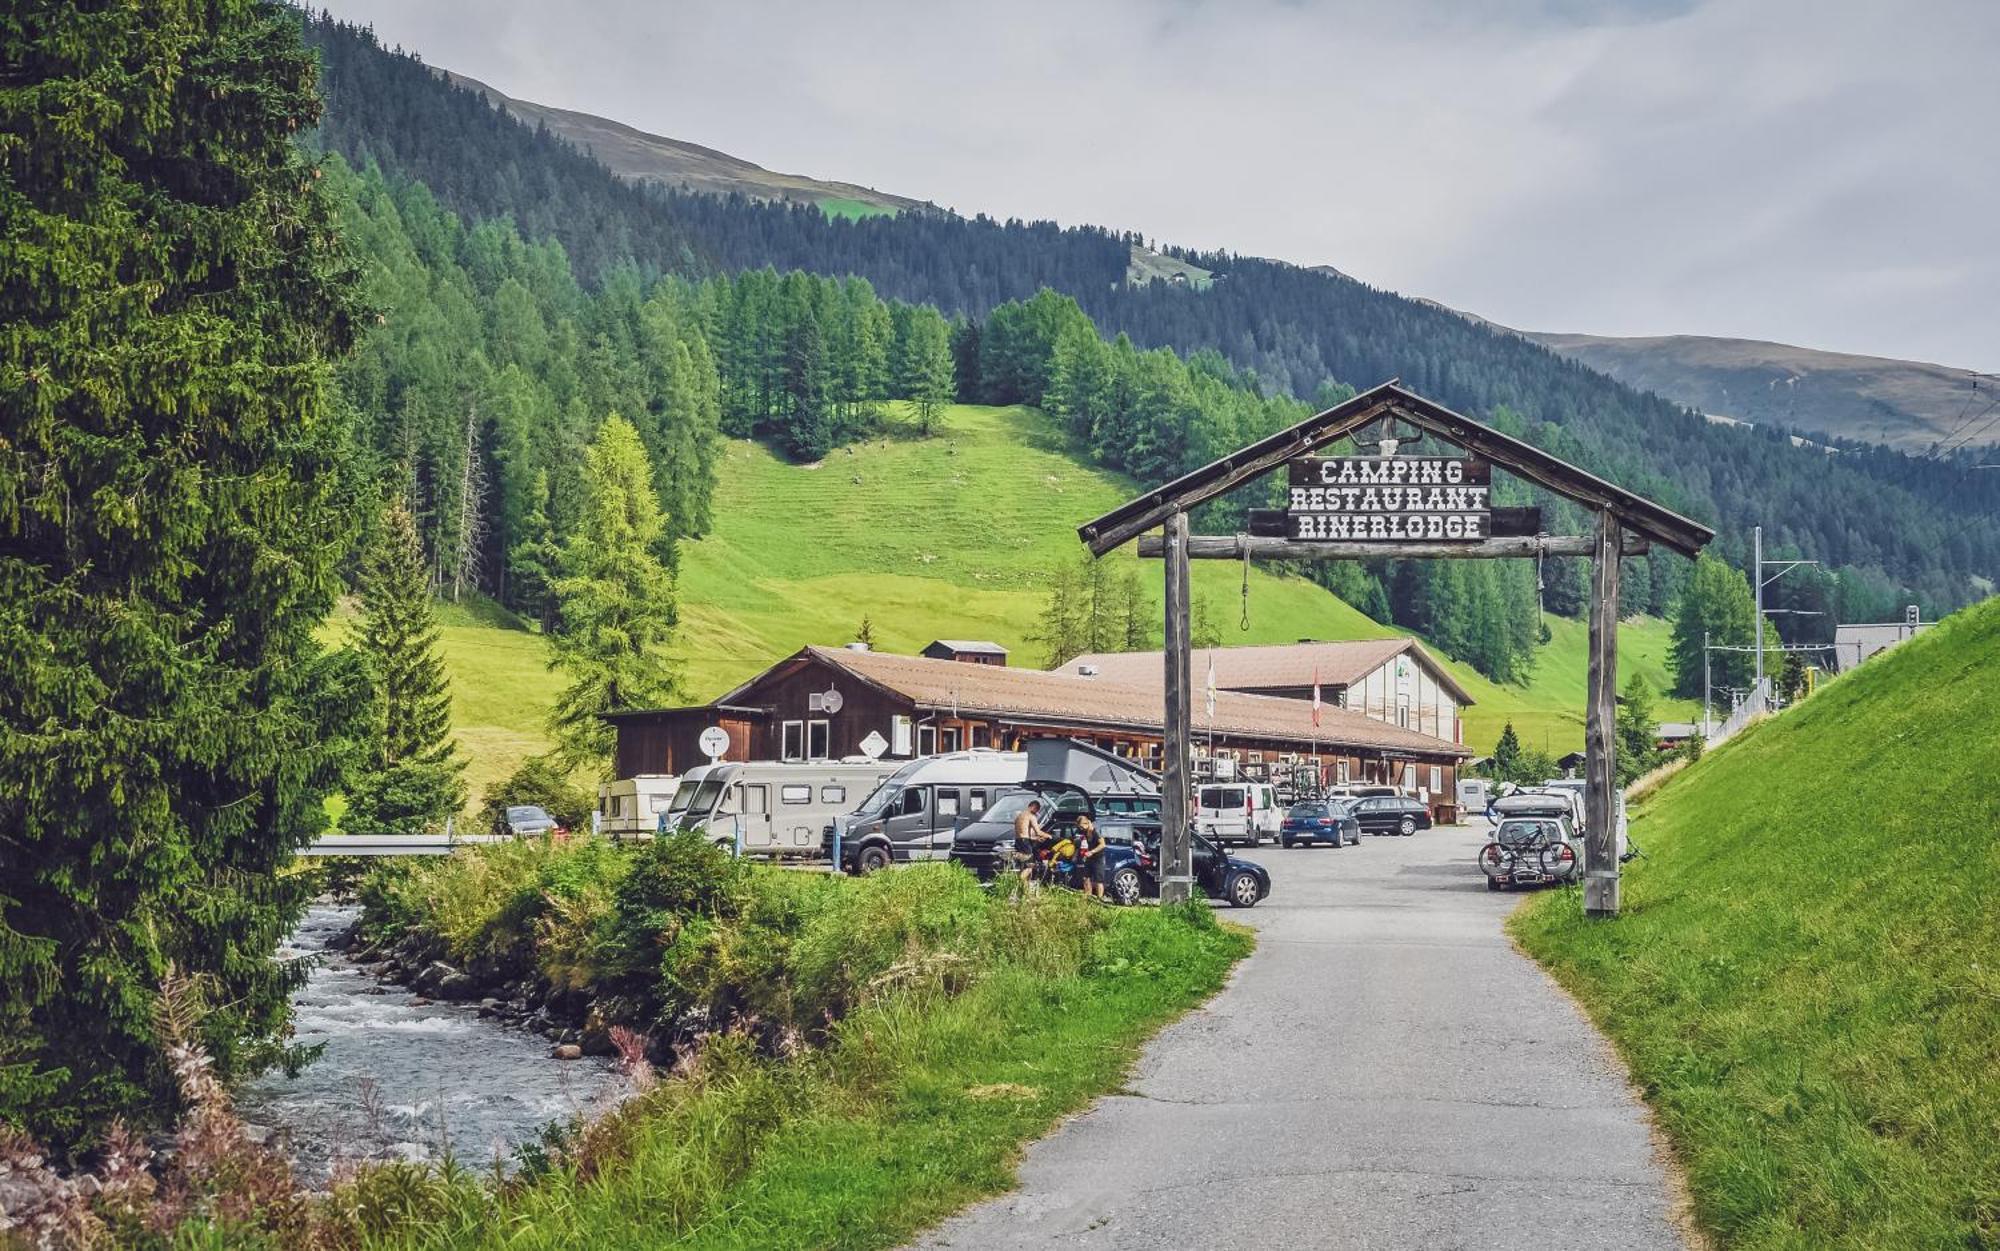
x: 714, y: 742
x: 831, y: 701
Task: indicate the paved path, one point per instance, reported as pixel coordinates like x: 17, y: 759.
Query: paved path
x: 1385, y: 1072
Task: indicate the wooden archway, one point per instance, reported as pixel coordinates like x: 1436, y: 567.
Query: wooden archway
x: 1627, y: 525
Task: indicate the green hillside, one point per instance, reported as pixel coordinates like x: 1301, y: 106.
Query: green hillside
x: 945, y: 537
x: 1805, y: 982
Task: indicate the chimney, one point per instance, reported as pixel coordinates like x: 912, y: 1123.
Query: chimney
x: 1086, y: 671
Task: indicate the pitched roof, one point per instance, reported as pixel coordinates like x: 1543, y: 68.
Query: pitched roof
x: 1269, y: 666
x: 1065, y: 698
x: 1524, y: 460
x: 979, y: 646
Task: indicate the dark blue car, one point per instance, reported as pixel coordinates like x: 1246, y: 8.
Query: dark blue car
x: 1319, y: 821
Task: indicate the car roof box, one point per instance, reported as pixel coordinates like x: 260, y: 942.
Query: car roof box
x: 1533, y: 805
x: 1088, y: 768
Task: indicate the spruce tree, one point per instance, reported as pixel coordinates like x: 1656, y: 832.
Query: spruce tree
x: 172, y: 510
x: 615, y: 601
x: 1507, y: 755
x: 414, y: 777
x: 1637, y: 730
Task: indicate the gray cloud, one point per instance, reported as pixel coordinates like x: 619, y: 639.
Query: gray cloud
x: 1816, y: 171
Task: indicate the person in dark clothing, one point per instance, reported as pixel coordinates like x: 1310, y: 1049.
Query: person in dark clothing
x: 1089, y: 858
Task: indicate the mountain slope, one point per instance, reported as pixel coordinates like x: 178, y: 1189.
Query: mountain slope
x: 1911, y: 405
x: 632, y: 153
x: 896, y: 531
x: 1804, y: 983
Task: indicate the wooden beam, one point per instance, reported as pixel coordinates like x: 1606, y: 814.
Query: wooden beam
x: 1176, y: 878
x: 1506, y: 522
x: 1231, y: 547
x: 1600, y: 772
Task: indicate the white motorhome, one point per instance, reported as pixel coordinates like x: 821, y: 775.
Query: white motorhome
x: 635, y: 805
x: 915, y: 811
x: 772, y: 809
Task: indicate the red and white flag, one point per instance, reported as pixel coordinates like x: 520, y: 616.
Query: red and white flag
x: 1315, y: 694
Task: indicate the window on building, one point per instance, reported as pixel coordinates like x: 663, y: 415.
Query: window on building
x: 926, y: 740
x: 792, y: 740
x: 1403, y: 713
x: 1409, y: 777
x: 799, y: 794
x: 819, y: 735
x: 948, y: 738
x: 981, y: 735
x: 1340, y: 771
x: 1437, y: 779
x: 899, y: 736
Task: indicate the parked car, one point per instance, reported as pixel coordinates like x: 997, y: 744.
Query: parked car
x: 1132, y: 867
x: 1532, y: 845
x: 526, y: 820
x: 917, y: 810
x: 1319, y: 821
x: 1347, y: 790
x: 1391, y: 814
x: 1238, y: 812
x: 1072, y: 780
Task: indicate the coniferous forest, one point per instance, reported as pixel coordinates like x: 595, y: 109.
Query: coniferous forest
x: 1898, y: 528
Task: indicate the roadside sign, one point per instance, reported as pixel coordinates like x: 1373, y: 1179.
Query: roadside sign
x: 874, y: 745
x: 714, y: 741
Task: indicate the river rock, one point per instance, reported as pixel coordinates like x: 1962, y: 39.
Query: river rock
x: 456, y: 986
x: 567, y: 1051
x: 427, y: 982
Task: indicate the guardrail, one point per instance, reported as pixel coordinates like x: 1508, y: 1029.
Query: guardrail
x: 397, y: 844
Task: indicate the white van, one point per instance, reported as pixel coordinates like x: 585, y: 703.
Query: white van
x: 632, y: 806
x: 1238, y: 812
x: 913, y: 814
x: 772, y: 809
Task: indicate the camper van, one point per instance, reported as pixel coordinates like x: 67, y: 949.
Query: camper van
x: 771, y: 809
x: 1239, y: 812
x: 632, y: 806
x: 913, y: 814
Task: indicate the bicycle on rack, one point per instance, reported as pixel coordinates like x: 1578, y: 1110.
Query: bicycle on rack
x: 1531, y: 849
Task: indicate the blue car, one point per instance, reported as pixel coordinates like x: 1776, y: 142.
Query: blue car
x: 1319, y: 821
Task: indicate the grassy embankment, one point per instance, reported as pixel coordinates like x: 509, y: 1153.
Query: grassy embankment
x: 963, y: 1023
x: 1806, y: 982
x: 946, y: 538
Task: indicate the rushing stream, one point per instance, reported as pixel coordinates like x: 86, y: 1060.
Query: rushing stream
x: 399, y: 1079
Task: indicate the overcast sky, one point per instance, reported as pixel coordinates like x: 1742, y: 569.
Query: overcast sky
x: 1822, y: 172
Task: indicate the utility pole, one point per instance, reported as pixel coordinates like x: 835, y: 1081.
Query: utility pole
x: 1759, y: 581
x: 1707, y: 722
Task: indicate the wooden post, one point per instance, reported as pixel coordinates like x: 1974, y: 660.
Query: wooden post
x: 1175, y: 867
x: 1600, y: 803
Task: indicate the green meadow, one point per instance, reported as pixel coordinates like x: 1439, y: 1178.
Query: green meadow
x: 946, y: 537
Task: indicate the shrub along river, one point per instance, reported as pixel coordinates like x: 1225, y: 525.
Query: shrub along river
x: 403, y: 1078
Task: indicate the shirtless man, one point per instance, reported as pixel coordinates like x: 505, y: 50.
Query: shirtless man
x: 1028, y: 838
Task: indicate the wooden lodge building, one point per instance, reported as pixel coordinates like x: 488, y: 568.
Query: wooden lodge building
x: 823, y: 702
x: 1392, y: 680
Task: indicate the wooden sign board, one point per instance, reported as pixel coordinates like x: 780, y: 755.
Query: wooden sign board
x: 1387, y: 499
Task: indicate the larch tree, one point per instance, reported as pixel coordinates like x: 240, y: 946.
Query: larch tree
x: 615, y: 610
x: 414, y: 779
x: 173, y: 508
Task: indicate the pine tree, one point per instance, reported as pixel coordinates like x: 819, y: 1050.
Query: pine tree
x: 616, y: 611
x: 1637, y: 730
x: 1061, y: 628
x: 532, y: 562
x: 1716, y: 600
x: 864, y: 634
x: 924, y: 369
x: 1135, y: 614
x: 1507, y: 755
x: 413, y: 779
x: 808, y: 405
x: 173, y: 508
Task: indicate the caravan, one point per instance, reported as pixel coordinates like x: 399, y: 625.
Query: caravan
x: 633, y: 806
x: 770, y: 809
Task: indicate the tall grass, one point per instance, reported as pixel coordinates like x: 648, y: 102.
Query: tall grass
x: 1806, y: 980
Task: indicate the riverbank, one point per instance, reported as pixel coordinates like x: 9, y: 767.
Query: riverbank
x: 841, y: 1062
x: 404, y: 1076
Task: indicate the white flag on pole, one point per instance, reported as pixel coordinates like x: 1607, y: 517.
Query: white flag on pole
x: 1315, y: 694
x: 1211, y: 686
